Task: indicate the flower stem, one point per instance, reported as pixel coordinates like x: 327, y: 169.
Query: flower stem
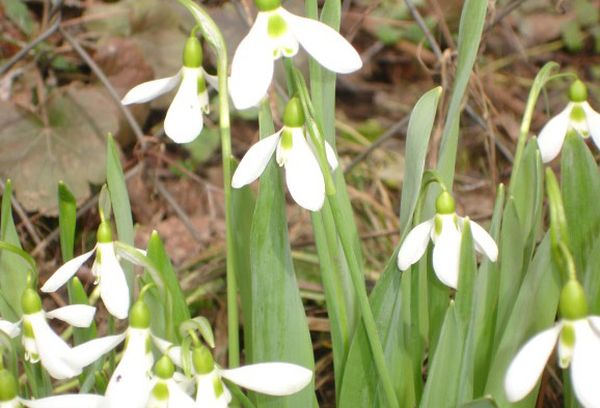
x: 214, y: 37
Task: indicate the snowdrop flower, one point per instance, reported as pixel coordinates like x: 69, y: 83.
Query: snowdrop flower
x: 292, y: 151
x: 184, y: 121
x: 278, y: 32
x: 445, y: 230
x: 10, y: 399
x: 9, y: 328
x: 107, y: 270
x: 166, y: 392
x: 43, y: 345
x: 578, y: 117
x: 578, y: 337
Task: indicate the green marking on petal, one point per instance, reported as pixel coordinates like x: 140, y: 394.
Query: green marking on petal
x: 201, y: 83
x: 287, y: 141
x: 577, y: 114
x: 438, y: 223
x: 218, y: 386
x: 28, y: 329
x: 160, y: 391
x: 276, y: 26
x: 567, y: 342
x: 31, y: 301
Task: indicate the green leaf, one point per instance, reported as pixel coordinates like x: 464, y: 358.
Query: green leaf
x: 119, y: 197
x: 443, y: 376
x: 66, y: 144
x: 13, y: 267
x: 534, y: 310
x: 580, y: 192
x: 177, y: 310
x: 67, y: 217
x: 280, y: 329
x: 480, y: 403
x: 469, y: 36
x: 17, y: 12
x: 417, y: 141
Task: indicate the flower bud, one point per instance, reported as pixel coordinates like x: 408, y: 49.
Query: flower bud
x: 573, y: 304
x: 293, y: 116
x: 192, y: 53
x: 578, y: 92
x: 203, y: 360
x: 8, y: 386
x: 139, y: 315
x: 31, y: 301
x: 164, y: 368
x: 445, y: 204
x: 267, y: 5
x: 104, y: 233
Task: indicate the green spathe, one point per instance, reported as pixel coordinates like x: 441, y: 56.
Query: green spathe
x: 573, y: 305
x: 8, y: 386
x: 192, y: 53
x: 31, y: 301
x: 139, y: 315
x: 578, y: 92
x: 267, y: 5
x: 445, y: 204
x: 203, y: 360
x: 293, y: 116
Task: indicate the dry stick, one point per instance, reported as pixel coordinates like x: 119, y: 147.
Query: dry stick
x: 111, y: 90
x: 421, y: 23
x: 505, y: 12
x: 23, y: 216
x: 187, y: 222
x: 396, y: 127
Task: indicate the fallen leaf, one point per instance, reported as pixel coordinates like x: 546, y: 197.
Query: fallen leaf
x: 70, y: 147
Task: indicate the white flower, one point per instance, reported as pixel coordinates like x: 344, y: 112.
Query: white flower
x: 445, y: 230
x: 277, y: 32
x: 9, y: 328
x: 303, y: 174
x: 43, y: 345
x: 578, y: 116
x: 582, y: 354
x: 107, y: 270
x: 166, y: 391
x: 184, y: 121
x: 277, y: 379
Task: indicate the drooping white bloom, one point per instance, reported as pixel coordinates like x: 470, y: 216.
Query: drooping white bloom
x: 578, y: 116
x: 277, y: 32
x: 292, y: 151
x: 277, y: 379
x: 578, y: 337
x: 43, y: 345
x: 445, y: 230
x: 107, y: 270
x: 184, y: 121
x: 166, y: 392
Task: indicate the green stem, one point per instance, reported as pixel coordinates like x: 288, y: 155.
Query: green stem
x: 345, y: 235
x: 213, y: 35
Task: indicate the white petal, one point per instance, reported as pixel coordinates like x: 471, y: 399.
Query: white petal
x: 414, y: 245
x: 552, y: 136
x: 270, y: 378
x: 324, y: 44
x: 331, y: 156
x: 90, y: 351
x: 184, y: 121
x: 585, y: 366
x: 66, y: 401
x: 484, y: 243
x: 9, y: 328
x: 113, y: 284
x: 174, y: 352
x: 152, y: 89
x: 446, y: 252
x: 593, y: 122
x: 66, y: 272
x: 75, y: 315
x: 212, y: 80
x: 129, y: 385
x: 528, y: 364
x: 177, y: 397
x: 205, y: 392
x: 52, y: 349
x: 303, y: 174
x: 255, y: 160
x: 252, y: 66
x: 13, y: 403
